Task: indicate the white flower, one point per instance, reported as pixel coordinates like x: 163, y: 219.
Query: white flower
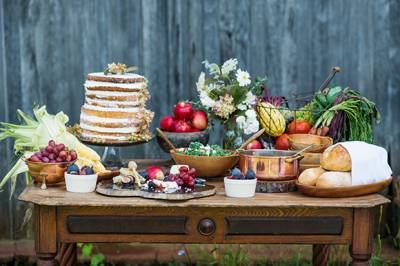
x: 212, y: 68
x: 251, y: 114
x: 250, y: 98
x: 243, y: 77
x: 241, y: 121
x: 206, y: 100
x: 251, y: 127
x: 201, y: 82
x: 229, y: 66
x: 242, y: 106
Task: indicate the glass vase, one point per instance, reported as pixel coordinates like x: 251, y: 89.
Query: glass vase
x: 233, y: 135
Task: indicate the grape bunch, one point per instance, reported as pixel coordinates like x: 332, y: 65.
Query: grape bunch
x: 186, y: 177
x: 54, y: 153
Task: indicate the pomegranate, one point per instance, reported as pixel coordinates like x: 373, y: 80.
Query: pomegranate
x: 182, y: 126
x: 167, y: 123
x: 254, y: 145
x: 199, y: 120
x: 183, y: 110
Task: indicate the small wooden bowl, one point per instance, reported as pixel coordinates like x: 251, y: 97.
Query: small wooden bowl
x: 182, y: 140
x: 343, y: 192
x: 301, y: 141
x: 52, y: 172
x: 207, y: 166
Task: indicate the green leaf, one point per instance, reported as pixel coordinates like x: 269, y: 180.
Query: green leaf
x: 97, y: 259
x: 87, y: 250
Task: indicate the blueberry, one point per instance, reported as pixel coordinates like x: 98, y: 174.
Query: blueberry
x: 144, y: 174
x: 151, y: 186
x: 250, y: 174
x: 87, y: 170
x: 73, y: 169
x: 236, y: 173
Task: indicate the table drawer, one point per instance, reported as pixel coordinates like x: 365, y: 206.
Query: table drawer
x: 205, y: 225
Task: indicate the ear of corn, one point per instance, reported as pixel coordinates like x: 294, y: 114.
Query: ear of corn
x: 271, y: 119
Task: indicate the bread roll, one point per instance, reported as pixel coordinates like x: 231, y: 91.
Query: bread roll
x: 336, y: 158
x: 309, y: 176
x: 334, y: 179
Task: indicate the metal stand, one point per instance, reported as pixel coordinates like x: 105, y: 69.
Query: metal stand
x: 111, y: 157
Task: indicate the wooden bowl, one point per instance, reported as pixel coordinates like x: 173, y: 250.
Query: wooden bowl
x: 182, y: 140
x: 207, y: 166
x: 343, y: 192
x: 301, y: 141
x: 52, y: 172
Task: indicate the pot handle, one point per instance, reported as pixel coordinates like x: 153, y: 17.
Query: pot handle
x: 294, y: 158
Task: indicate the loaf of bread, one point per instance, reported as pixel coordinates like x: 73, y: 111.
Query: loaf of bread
x: 334, y: 179
x: 309, y: 176
x: 336, y: 158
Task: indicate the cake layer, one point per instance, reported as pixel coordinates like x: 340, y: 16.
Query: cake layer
x: 109, y: 86
x: 112, y: 104
x: 116, y: 78
x: 110, y: 130
x: 105, y: 136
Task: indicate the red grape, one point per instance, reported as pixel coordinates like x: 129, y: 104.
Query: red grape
x: 59, y: 160
x: 45, y: 153
x: 49, y: 149
x: 52, y: 143
x: 69, y: 158
x: 62, y: 154
x: 52, y: 161
x: 73, y: 154
x: 60, y: 147
x: 52, y: 156
x: 192, y: 171
x: 45, y: 159
x: 34, y: 158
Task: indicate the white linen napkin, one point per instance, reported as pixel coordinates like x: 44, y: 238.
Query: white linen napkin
x: 368, y: 162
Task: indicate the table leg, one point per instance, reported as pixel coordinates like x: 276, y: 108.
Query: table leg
x: 68, y: 255
x: 363, y: 236
x: 45, y: 235
x: 320, y: 255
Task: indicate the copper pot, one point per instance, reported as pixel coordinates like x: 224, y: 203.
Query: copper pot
x: 271, y: 165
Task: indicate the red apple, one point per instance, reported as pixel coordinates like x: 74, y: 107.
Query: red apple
x: 167, y: 123
x: 254, y: 145
x: 199, y: 119
x: 183, y: 110
x: 155, y: 172
x: 282, y: 142
x: 182, y: 126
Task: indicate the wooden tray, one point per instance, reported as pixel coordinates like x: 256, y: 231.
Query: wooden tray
x: 342, y: 192
x: 106, y: 188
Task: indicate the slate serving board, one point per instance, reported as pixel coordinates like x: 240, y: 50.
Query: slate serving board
x: 106, y: 188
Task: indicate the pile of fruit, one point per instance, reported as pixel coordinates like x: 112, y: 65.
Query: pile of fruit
x: 54, y: 153
x: 185, y: 119
x: 237, y: 174
x: 73, y: 169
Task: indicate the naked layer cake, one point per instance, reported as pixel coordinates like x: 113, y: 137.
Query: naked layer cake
x: 114, y: 109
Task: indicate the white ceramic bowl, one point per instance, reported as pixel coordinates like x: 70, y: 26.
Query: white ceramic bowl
x: 80, y: 183
x: 239, y: 188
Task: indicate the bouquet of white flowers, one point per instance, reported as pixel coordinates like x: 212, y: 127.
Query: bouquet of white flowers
x: 228, y: 94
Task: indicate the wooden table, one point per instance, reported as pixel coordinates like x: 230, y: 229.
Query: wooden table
x: 63, y: 219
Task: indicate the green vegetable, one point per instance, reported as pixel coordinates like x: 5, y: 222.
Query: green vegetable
x: 350, y: 117
x: 305, y: 113
x: 34, y: 134
x: 198, y: 149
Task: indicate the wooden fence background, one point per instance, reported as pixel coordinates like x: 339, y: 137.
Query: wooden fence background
x: 48, y: 46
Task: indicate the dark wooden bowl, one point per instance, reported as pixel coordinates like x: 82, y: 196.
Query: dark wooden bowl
x: 182, y: 140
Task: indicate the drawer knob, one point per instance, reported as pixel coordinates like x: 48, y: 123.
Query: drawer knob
x: 206, y: 227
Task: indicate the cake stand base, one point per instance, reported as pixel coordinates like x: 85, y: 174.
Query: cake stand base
x: 111, y: 157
